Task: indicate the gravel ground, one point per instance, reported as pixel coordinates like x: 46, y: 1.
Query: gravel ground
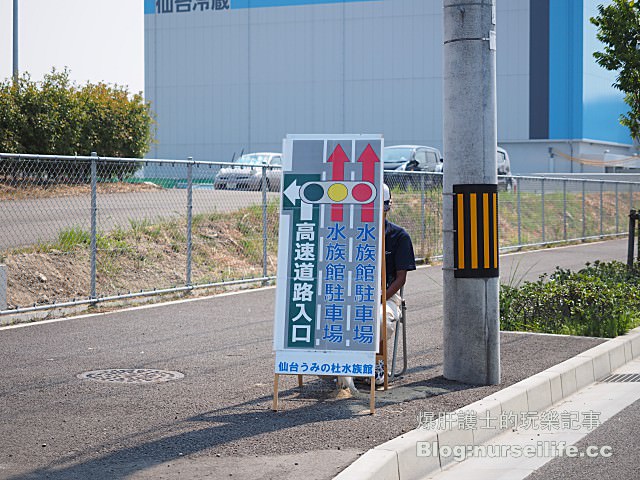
x: 217, y: 421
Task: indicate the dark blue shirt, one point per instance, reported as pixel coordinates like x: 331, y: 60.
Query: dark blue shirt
x: 398, y: 250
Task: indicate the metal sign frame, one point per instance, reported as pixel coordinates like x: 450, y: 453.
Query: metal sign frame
x: 329, y: 280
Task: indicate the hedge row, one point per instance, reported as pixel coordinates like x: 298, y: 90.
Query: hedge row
x: 58, y: 117
x: 600, y: 300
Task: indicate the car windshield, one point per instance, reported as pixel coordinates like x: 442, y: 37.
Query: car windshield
x: 502, y: 159
x: 252, y: 159
x: 396, y: 156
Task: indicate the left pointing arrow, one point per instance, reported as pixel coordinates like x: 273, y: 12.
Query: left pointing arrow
x: 292, y: 192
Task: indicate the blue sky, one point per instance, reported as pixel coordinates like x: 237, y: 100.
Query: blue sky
x: 97, y: 40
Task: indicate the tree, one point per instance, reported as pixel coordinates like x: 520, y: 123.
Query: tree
x: 58, y: 117
x: 619, y: 30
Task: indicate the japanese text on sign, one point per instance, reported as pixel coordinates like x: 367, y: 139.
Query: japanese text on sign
x: 186, y: 6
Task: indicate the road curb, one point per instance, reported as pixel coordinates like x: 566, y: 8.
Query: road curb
x: 397, y: 459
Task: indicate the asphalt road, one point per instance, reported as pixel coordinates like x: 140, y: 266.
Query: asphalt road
x: 620, y: 433
x: 28, y: 222
x: 216, y: 422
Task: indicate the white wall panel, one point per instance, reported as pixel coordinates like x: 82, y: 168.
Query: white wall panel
x: 243, y: 79
x: 512, y: 65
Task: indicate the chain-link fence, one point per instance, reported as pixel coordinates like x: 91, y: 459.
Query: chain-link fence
x: 78, y: 230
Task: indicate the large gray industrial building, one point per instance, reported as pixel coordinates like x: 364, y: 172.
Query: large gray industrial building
x: 226, y: 76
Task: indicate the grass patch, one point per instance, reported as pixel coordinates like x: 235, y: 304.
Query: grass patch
x: 73, y: 237
x: 420, y: 213
x: 76, y: 238
x: 600, y: 300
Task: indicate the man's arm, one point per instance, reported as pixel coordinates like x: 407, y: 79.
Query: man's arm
x: 397, y: 284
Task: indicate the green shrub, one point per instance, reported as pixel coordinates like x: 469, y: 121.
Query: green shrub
x: 58, y: 117
x: 600, y: 300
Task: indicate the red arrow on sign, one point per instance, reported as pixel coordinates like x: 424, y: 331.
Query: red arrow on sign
x: 338, y: 158
x: 368, y: 160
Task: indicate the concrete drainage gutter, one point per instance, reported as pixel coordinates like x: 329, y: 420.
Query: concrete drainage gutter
x: 397, y: 459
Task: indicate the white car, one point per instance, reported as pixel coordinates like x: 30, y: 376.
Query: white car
x: 247, y: 175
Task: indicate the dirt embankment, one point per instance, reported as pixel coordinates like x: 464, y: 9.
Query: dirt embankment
x: 145, y: 256
x: 152, y: 258
x: 31, y: 191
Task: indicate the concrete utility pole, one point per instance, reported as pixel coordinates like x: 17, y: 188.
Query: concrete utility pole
x: 471, y: 309
x: 15, y: 39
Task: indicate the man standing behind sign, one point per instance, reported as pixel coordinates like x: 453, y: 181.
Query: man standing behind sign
x: 400, y: 259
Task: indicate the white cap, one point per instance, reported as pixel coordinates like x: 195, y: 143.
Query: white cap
x: 386, y: 197
x: 386, y: 192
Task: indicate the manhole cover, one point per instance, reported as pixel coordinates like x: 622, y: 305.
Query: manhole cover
x: 131, y: 375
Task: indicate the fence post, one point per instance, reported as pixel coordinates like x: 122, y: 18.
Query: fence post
x: 94, y: 226
x: 3, y: 287
x: 632, y: 236
x: 189, y: 217
x: 636, y: 217
x: 584, y: 215
x: 519, y: 218
x: 542, y: 201
x: 564, y: 207
x: 264, y: 223
x: 601, y: 206
x: 423, y: 215
x: 617, y: 214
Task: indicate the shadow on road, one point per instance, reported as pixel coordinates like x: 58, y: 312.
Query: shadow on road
x: 235, y: 422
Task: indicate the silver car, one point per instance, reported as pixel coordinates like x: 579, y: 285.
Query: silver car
x: 247, y: 175
x: 408, y: 158
x: 399, y: 159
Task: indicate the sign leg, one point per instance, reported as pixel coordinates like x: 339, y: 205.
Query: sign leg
x: 384, y: 349
x: 276, y: 377
x: 383, y: 343
x: 372, y: 398
x: 300, y: 381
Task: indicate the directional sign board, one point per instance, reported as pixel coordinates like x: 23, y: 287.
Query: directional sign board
x: 329, y: 253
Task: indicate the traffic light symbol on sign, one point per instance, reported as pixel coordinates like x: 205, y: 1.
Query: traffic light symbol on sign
x: 338, y: 192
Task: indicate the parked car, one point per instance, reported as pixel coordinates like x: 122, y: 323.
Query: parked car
x: 247, y: 175
x: 398, y: 159
x: 506, y: 181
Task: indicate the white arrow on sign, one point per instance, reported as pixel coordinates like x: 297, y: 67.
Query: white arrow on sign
x: 292, y: 192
